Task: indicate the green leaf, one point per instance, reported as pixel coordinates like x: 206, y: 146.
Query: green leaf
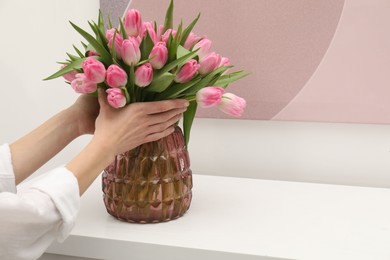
x: 101, y: 21
x: 84, y: 45
x: 146, y: 46
x: 104, y: 54
x: 126, y: 94
x: 77, y: 64
x: 78, y: 52
x: 172, y: 50
x: 131, y: 83
x: 101, y: 35
x: 188, y: 30
x: 225, y: 80
x: 175, y: 63
x: 109, y: 21
x: 72, y: 57
x: 168, y: 23
x: 112, y: 47
x: 205, y: 82
x: 188, y: 119
x: 176, y: 89
x: 181, y: 51
x: 123, y: 30
x: 161, y: 83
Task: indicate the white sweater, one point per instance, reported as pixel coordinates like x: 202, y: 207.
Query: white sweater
x: 32, y: 218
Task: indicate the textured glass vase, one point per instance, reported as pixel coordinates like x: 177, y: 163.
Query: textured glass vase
x: 151, y: 183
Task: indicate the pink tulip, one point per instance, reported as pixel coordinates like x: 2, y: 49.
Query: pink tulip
x: 69, y: 76
x: 160, y: 29
x: 143, y: 75
x: 204, y: 46
x: 133, y: 23
x: 187, y: 71
x: 165, y: 36
x: 160, y: 53
x: 94, y: 70
x: 116, y: 76
x: 131, y: 53
x: 232, y: 105
x: 191, y: 40
x: 209, y: 96
x: 82, y: 85
x: 92, y: 53
x: 209, y: 63
x: 115, y: 97
x: 224, y: 62
x: 149, y: 27
x: 118, y: 41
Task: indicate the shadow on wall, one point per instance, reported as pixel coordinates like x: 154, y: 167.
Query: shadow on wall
x: 310, y: 60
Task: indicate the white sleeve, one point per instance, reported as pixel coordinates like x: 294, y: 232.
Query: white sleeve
x: 7, y: 177
x: 33, y: 218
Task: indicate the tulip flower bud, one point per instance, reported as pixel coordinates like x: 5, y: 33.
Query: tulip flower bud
x: 159, y: 54
x: 118, y: 41
x: 131, y: 53
x: 115, y: 97
x: 133, y: 23
x: 149, y: 27
x: 144, y: 75
x: 165, y: 36
x: 232, y: 105
x: 94, y: 70
x: 187, y: 71
x: 69, y: 76
x: 191, y: 40
x: 224, y: 62
x: 116, y: 76
x: 82, y: 85
x: 209, y: 63
x: 92, y: 53
x: 204, y: 46
x: 209, y: 96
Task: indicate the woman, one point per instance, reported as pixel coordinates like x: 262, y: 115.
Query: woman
x: 31, y: 219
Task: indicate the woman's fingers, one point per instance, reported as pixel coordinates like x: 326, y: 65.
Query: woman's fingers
x: 165, y: 105
x: 158, y: 135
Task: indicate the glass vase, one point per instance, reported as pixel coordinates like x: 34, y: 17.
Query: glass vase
x: 151, y: 183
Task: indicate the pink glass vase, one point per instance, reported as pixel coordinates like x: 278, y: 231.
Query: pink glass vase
x: 151, y: 183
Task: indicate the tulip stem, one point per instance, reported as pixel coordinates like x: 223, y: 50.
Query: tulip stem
x: 191, y: 98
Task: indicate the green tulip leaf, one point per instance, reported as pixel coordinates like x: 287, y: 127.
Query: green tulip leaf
x: 176, y: 63
x: 77, y: 64
x: 225, y: 80
x: 175, y: 90
x: 161, y: 83
x: 146, y: 46
x: 123, y: 30
x: 78, y: 52
x: 168, y: 23
x: 188, y: 30
x: 104, y: 54
x: 205, y: 82
x: 188, y: 119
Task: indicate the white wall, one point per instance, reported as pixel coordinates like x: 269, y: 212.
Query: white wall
x: 36, y: 34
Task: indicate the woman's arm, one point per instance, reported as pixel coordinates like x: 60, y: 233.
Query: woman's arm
x: 120, y: 130
x: 33, y: 150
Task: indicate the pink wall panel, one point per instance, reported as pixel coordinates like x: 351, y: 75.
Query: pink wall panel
x: 324, y: 60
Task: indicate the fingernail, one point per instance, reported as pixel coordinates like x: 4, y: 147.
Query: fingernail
x: 186, y: 104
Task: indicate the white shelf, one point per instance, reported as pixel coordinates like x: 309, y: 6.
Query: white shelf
x: 236, y: 218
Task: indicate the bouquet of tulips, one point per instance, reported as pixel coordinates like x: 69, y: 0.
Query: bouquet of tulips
x: 142, y: 61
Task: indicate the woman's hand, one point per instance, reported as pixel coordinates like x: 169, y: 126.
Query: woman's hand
x: 85, y: 110
x: 126, y: 128
x: 120, y: 130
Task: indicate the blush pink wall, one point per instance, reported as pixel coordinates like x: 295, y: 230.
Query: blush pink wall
x: 324, y: 60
